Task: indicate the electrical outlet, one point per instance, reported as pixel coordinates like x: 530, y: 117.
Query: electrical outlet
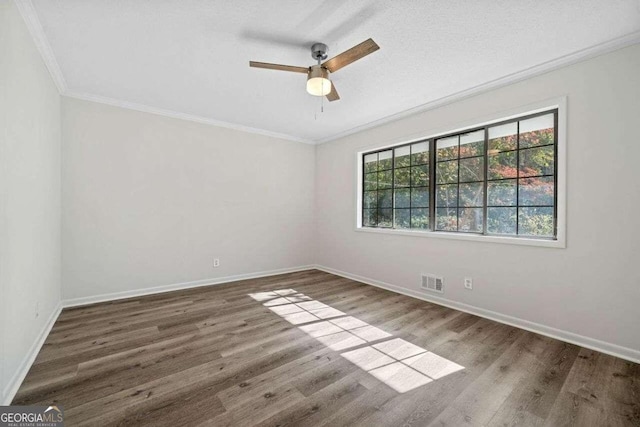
x: 468, y: 283
x: 216, y: 262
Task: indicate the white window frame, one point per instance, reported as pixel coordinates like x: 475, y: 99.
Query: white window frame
x: 559, y: 103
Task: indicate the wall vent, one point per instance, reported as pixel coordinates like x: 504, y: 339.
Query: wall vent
x: 432, y: 283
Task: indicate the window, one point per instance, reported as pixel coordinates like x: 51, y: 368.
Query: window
x: 396, y: 187
x: 497, y: 180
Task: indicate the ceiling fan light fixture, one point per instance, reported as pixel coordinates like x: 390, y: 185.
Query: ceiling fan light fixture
x: 318, y: 83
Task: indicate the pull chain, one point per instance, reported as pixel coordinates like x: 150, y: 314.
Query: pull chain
x: 321, y: 97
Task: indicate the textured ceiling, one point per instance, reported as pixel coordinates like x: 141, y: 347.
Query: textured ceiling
x: 191, y: 56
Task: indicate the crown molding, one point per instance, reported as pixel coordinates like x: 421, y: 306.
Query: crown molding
x: 31, y: 20
x: 30, y: 17
x: 34, y: 26
x: 183, y: 116
x: 536, y: 70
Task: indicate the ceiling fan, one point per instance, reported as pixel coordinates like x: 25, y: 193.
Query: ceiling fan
x: 318, y: 82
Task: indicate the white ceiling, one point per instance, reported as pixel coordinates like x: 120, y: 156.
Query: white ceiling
x: 191, y: 57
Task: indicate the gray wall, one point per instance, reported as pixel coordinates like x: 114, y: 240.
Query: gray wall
x: 592, y: 287
x: 150, y: 201
x: 30, y: 195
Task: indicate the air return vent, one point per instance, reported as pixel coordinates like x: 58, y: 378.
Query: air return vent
x: 432, y: 283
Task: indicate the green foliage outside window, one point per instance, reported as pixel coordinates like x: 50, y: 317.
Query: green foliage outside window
x: 519, y: 178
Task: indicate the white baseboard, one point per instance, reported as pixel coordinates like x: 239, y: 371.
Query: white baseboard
x: 590, y: 343
x: 178, y: 286
x: 14, y: 383
x: 593, y: 344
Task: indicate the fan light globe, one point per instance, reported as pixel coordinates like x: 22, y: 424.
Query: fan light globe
x: 318, y: 83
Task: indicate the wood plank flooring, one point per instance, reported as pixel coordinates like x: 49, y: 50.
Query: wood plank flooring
x: 217, y: 356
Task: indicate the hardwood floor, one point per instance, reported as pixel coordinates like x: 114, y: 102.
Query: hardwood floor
x: 218, y: 356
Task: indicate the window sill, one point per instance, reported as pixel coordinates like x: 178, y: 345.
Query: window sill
x: 522, y: 241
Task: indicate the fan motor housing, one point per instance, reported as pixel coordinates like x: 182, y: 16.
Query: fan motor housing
x: 319, y: 51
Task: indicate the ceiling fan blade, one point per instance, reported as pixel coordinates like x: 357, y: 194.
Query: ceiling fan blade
x: 333, y: 95
x: 351, y: 55
x: 279, y: 67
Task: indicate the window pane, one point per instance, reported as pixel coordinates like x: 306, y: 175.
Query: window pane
x: 501, y: 220
x: 535, y: 222
x: 402, y: 198
x: 447, y: 195
x: 446, y: 219
x: 369, y: 217
x: 385, y: 159
x: 472, y: 169
x: 385, y: 217
x: 385, y: 179
x: 402, y: 156
x: 419, y: 176
x: 472, y: 144
x: 420, y: 153
x: 402, y: 218
x: 384, y: 199
x: 371, y: 181
x: 472, y: 195
x: 420, y: 197
x: 371, y: 162
x: 470, y: 220
x: 536, y: 131
x: 536, y: 161
x: 536, y: 191
x: 447, y: 148
x: 447, y: 172
x: 503, y: 165
x: 419, y: 218
x: 517, y: 160
x: 503, y: 138
x: 370, y: 200
x: 501, y: 193
x: 402, y: 177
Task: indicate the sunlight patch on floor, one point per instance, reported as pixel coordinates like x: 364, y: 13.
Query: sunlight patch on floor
x: 401, y: 365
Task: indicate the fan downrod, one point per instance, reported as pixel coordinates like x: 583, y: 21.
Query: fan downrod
x: 319, y: 51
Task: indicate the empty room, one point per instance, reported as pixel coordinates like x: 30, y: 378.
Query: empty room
x: 331, y: 213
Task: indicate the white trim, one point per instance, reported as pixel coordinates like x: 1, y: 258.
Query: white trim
x: 14, y: 383
x: 559, y: 103
x: 523, y: 241
x: 178, y: 115
x: 35, y: 28
x: 593, y: 344
x: 30, y: 17
x: 31, y: 20
x: 74, y: 302
x: 536, y: 70
x: 566, y: 336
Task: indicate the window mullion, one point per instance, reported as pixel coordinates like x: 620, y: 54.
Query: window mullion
x: 517, y: 178
x: 555, y: 173
x: 486, y: 177
x: 393, y: 188
x: 458, y: 190
x: 432, y: 184
x: 377, y: 190
x: 410, y: 188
